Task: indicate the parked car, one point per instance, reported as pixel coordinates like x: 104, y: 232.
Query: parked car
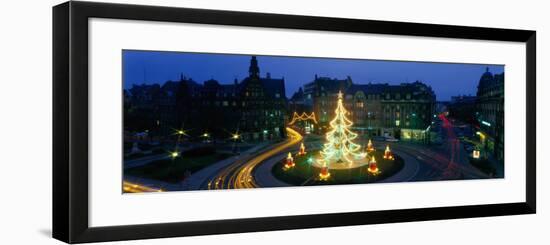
x: 391, y: 139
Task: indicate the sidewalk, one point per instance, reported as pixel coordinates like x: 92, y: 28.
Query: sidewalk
x: 144, y: 160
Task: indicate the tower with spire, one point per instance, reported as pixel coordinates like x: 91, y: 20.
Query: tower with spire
x: 254, y: 69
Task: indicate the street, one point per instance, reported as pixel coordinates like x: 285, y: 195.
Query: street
x: 239, y: 174
x: 252, y: 168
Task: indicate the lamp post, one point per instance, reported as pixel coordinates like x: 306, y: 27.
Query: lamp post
x: 369, y: 118
x: 235, y: 138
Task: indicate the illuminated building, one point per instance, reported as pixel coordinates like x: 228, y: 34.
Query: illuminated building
x: 256, y: 106
x: 402, y: 111
x: 490, y: 112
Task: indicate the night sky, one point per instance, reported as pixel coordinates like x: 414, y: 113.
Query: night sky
x: 446, y: 79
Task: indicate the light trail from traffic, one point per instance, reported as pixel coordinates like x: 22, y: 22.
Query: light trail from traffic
x: 244, y: 179
x: 240, y: 174
x: 130, y: 187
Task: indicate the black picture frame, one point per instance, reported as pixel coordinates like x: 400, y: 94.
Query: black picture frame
x: 70, y: 121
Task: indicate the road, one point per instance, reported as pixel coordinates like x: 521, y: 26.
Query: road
x: 129, y: 187
x: 239, y: 175
x: 423, y: 163
x: 446, y: 162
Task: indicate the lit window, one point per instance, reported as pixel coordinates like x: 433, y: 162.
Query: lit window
x: 397, y: 123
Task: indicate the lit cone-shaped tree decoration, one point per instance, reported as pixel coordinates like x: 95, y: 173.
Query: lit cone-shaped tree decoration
x: 373, y: 166
x: 302, y: 150
x: 340, y: 147
x: 324, y: 174
x: 387, y: 153
x: 370, y: 147
x: 289, y: 161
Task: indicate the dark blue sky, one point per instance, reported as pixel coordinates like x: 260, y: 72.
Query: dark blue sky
x: 446, y: 79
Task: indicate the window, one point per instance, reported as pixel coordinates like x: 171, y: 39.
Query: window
x: 225, y: 103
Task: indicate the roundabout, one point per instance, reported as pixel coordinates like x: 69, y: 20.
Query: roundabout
x: 306, y: 171
x: 341, y: 160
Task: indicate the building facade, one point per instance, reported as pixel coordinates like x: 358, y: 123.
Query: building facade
x: 255, y: 107
x: 408, y: 110
x: 402, y: 111
x: 463, y: 108
x: 490, y: 112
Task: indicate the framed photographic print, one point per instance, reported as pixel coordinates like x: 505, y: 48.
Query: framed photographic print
x: 178, y: 122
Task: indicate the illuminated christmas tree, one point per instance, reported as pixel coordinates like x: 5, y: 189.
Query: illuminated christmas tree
x: 340, y: 147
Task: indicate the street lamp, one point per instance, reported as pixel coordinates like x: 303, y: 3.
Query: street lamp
x: 476, y: 154
x: 235, y: 138
x: 174, y: 154
x: 180, y: 132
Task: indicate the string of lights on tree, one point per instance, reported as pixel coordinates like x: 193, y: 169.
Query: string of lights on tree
x: 339, y: 147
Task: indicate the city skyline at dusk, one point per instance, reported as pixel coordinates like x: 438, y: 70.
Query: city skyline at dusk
x: 219, y: 121
x: 446, y: 79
